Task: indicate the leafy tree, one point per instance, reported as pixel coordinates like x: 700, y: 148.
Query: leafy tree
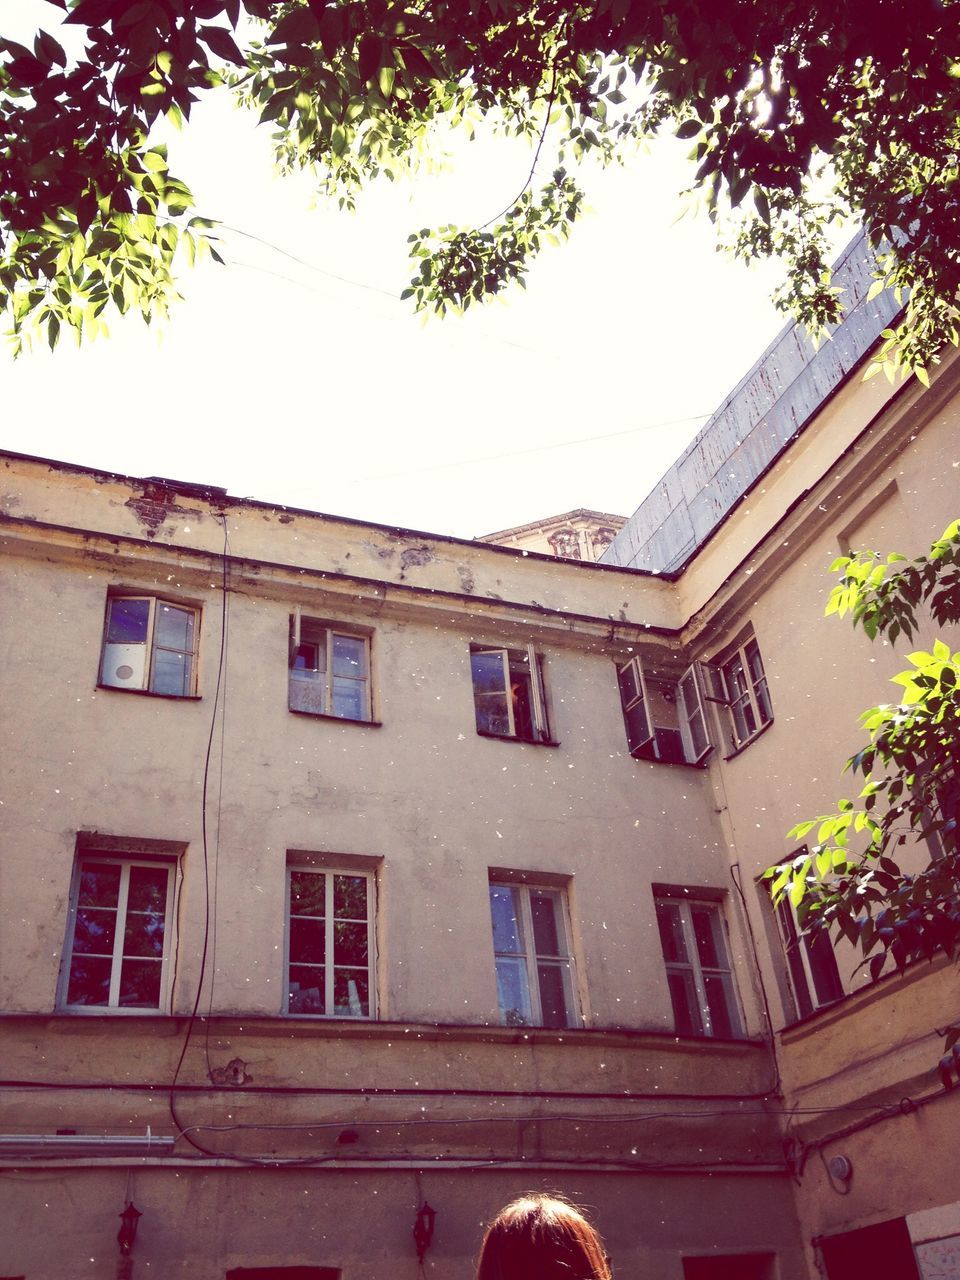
x: 795, y: 111
x: 851, y: 880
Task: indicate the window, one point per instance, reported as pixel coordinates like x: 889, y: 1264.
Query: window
x: 150, y: 644
x: 814, y: 977
x: 508, y: 693
x: 329, y: 670
x: 330, y: 953
x: 698, y: 972
x: 532, y: 954
x: 740, y: 682
x: 943, y: 818
x: 119, y: 934
x: 664, y: 717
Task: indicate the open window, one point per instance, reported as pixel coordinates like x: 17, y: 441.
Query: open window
x: 738, y: 682
x: 329, y: 670
x: 150, y: 645
x: 508, y: 693
x: 664, y: 716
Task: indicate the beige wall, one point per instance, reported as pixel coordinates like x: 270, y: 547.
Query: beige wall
x: 619, y: 1113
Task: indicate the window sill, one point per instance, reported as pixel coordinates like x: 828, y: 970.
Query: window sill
x: 325, y: 715
x: 747, y: 742
x: 331, y: 1017
x: 150, y: 693
x: 677, y: 764
x: 524, y: 742
x: 108, y: 1011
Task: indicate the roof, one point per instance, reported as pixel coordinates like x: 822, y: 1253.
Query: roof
x: 766, y: 410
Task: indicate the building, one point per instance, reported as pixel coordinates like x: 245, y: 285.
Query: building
x: 574, y: 535
x: 350, y: 871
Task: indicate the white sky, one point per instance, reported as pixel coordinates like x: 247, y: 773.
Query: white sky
x: 286, y: 384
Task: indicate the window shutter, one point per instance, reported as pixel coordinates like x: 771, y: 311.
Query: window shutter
x: 294, y: 636
x: 536, y: 694
x: 693, y: 716
x: 633, y: 696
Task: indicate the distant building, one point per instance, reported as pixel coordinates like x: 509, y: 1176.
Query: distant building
x: 575, y: 535
x: 351, y: 871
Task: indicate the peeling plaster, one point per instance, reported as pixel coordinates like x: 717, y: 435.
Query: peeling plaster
x: 415, y: 556
x: 155, y: 505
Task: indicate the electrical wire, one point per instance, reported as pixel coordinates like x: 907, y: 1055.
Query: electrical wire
x: 225, y: 638
x: 203, y: 828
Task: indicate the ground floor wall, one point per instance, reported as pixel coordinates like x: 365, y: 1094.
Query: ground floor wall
x: 61, y: 1223
x: 872, y: 1130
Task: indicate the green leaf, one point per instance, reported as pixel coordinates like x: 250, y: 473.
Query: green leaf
x: 370, y: 51
x: 299, y: 26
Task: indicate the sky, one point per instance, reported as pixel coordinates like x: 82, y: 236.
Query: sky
x: 295, y: 374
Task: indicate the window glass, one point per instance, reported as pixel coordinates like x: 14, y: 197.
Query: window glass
x: 671, y: 933
x: 348, y: 699
x: 149, y: 645
x: 508, y: 694
x: 329, y: 672
x: 174, y: 627
x: 351, y: 994
x: 629, y: 684
x: 747, y: 692
x: 348, y: 656
x: 128, y: 621
x: 119, y: 946
x: 683, y: 994
x: 350, y: 897
x: 513, y: 991
x: 698, y: 972
x: 543, y: 909
x: 490, y: 693
x: 552, y: 995
x: 330, y: 944
x: 172, y: 673
x: 534, y: 982
x: 507, y: 934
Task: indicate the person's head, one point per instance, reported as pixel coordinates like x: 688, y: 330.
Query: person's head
x: 541, y: 1238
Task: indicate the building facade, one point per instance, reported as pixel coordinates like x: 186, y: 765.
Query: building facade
x: 351, y: 870
x: 574, y: 535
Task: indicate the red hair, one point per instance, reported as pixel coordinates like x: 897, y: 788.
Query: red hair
x: 540, y: 1237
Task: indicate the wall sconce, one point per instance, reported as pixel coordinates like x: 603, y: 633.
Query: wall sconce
x: 129, y: 1220
x: 423, y: 1230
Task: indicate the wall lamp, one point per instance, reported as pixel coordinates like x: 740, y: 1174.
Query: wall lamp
x: 129, y: 1220
x: 423, y: 1229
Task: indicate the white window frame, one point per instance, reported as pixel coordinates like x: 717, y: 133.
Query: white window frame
x: 113, y: 1005
x: 564, y: 961
x: 538, y: 706
x: 796, y: 950
x: 145, y: 684
x: 329, y: 965
x: 691, y: 712
x: 695, y: 968
x: 753, y: 699
x: 331, y: 632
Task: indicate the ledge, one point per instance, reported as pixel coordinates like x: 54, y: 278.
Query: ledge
x: 150, y: 693
x: 524, y: 742
x: 852, y: 1003
x: 286, y: 1026
x: 324, y: 715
